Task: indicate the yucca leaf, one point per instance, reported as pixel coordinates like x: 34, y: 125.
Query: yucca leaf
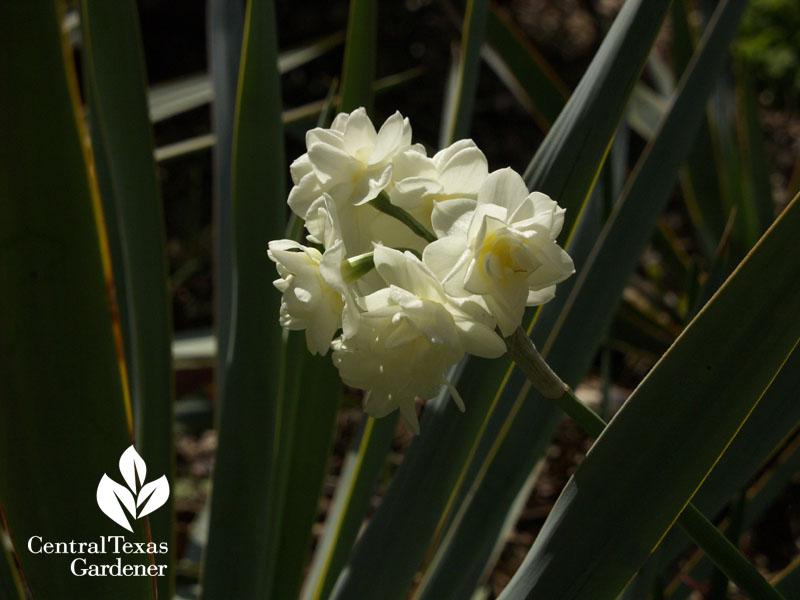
x: 773, y: 420
x: 358, y: 71
x: 10, y: 585
x: 457, y: 117
x: 251, y: 396
x: 569, y: 329
x: 427, y: 485
x: 356, y: 486
x: 788, y: 581
x: 172, y: 98
x: 568, y: 161
x: 296, y: 120
x: 66, y: 415
x: 681, y: 417
x: 114, y: 70
x: 523, y: 69
x: 225, y: 31
x: 310, y: 403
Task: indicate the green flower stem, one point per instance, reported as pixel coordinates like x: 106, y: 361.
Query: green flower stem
x: 357, y: 266
x: 382, y: 203
x: 716, y: 546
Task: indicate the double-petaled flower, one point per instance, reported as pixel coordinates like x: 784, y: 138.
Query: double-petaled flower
x: 398, y: 309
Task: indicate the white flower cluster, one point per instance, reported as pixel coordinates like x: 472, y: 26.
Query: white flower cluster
x: 426, y: 303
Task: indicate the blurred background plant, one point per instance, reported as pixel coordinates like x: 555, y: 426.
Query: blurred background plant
x: 519, y: 62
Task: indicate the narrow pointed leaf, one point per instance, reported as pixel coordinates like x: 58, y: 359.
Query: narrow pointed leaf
x: 358, y: 71
x: 523, y: 69
x: 225, y: 31
x: 462, y: 99
x: 65, y: 414
x: 357, y: 480
x: 694, y: 401
x: 569, y: 329
x: 249, y: 404
x: 114, y: 68
x: 10, y: 584
x: 567, y: 163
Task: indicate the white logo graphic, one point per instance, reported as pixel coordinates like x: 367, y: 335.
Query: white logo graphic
x: 111, y: 496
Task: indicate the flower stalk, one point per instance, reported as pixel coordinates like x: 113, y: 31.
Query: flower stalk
x: 718, y: 548
x: 382, y: 203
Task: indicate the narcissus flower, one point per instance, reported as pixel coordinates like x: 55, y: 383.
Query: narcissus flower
x: 307, y: 302
x: 411, y: 333
x: 423, y: 184
x: 503, y: 249
x: 373, y: 204
x: 353, y: 163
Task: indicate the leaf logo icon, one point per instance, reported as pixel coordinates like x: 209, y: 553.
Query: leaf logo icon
x: 138, y: 499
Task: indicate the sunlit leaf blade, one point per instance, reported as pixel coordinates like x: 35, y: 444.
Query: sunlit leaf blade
x: 426, y: 486
x: 567, y: 163
x: 422, y: 488
x: 492, y: 482
x: 225, y: 31
x: 248, y: 413
x: 775, y: 417
x: 57, y: 343
x: 358, y: 70
x: 788, y: 581
x: 310, y: 404
x: 297, y: 120
x: 694, y: 401
x: 523, y: 69
x: 459, y: 113
x: 355, y: 488
x: 10, y: 585
x: 115, y: 69
x: 569, y: 329
x: 169, y: 99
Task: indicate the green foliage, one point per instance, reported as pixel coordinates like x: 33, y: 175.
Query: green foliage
x: 79, y: 222
x: 769, y: 46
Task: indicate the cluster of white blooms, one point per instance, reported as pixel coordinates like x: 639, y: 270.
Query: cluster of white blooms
x: 413, y: 261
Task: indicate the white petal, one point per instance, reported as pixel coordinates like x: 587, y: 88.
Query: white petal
x: 340, y: 122
x: 390, y: 139
x: 464, y: 172
x: 303, y: 195
x: 508, y: 316
x: 414, y: 193
x: 359, y: 132
x: 480, y: 340
x: 442, y: 255
x: 445, y: 154
x: 406, y: 271
x: 503, y: 187
x: 376, y: 184
x: 300, y: 168
x: 412, y: 163
x: 543, y: 296
x: 322, y: 329
x: 331, y: 164
x: 452, y: 216
x: 409, y: 413
x: 324, y: 136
